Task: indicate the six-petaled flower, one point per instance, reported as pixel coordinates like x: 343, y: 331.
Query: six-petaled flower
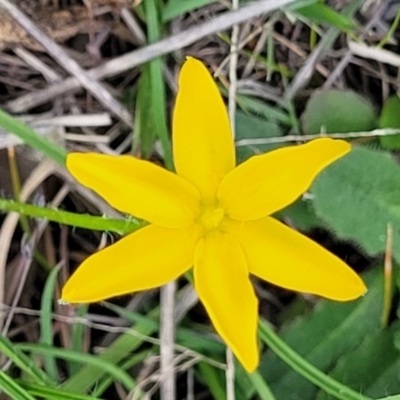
x: 211, y: 216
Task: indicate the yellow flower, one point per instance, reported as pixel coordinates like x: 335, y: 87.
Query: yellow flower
x: 212, y: 216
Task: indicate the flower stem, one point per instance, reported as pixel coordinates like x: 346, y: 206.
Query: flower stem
x: 121, y: 226
x: 303, y: 367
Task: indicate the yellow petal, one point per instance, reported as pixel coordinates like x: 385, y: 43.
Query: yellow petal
x: 142, y: 260
x: 267, y: 183
x: 137, y: 187
x: 202, y: 139
x: 286, y: 258
x: 222, y: 282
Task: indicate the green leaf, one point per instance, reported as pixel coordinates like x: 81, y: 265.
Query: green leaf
x: 397, y: 397
x: 32, y: 138
x: 302, y: 214
x: 115, y: 353
x: 12, y: 388
x: 214, y: 378
x: 251, y: 127
x: 334, y: 111
x: 390, y: 118
x: 78, y: 336
x: 320, y: 13
x: 358, y: 196
x: 104, y: 383
x: 157, y: 85
x: 22, y: 361
x: 86, y: 359
x: 255, y: 384
x: 332, y: 330
x: 191, y: 339
x: 144, y: 122
x: 46, y: 325
x: 371, y: 369
x: 46, y: 392
x: 175, y: 8
x: 262, y: 109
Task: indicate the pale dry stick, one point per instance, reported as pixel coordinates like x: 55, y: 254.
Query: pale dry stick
x: 187, y: 299
x: 338, y: 71
x: 167, y: 336
x: 141, y: 56
x: 133, y: 25
x: 156, y: 377
x: 388, y: 276
x: 233, y: 72
x: 230, y: 374
x: 53, y: 128
x: 234, y: 57
x: 190, y: 385
x: 38, y: 175
x: 305, y: 138
x: 66, y: 62
x: 75, y: 120
x: 27, y: 259
x: 78, y: 137
x: 37, y: 64
x: 374, y: 53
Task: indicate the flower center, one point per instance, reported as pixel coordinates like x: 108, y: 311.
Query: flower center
x: 210, y: 217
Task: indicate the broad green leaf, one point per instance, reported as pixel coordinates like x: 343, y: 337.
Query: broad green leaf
x: 390, y: 118
x: 320, y: 13
x: 334, y: 111
x: 358, y: 196
x: 373, y: 368
x: 302, y: 214
x: 251, y: 127
x: 329, y: 332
